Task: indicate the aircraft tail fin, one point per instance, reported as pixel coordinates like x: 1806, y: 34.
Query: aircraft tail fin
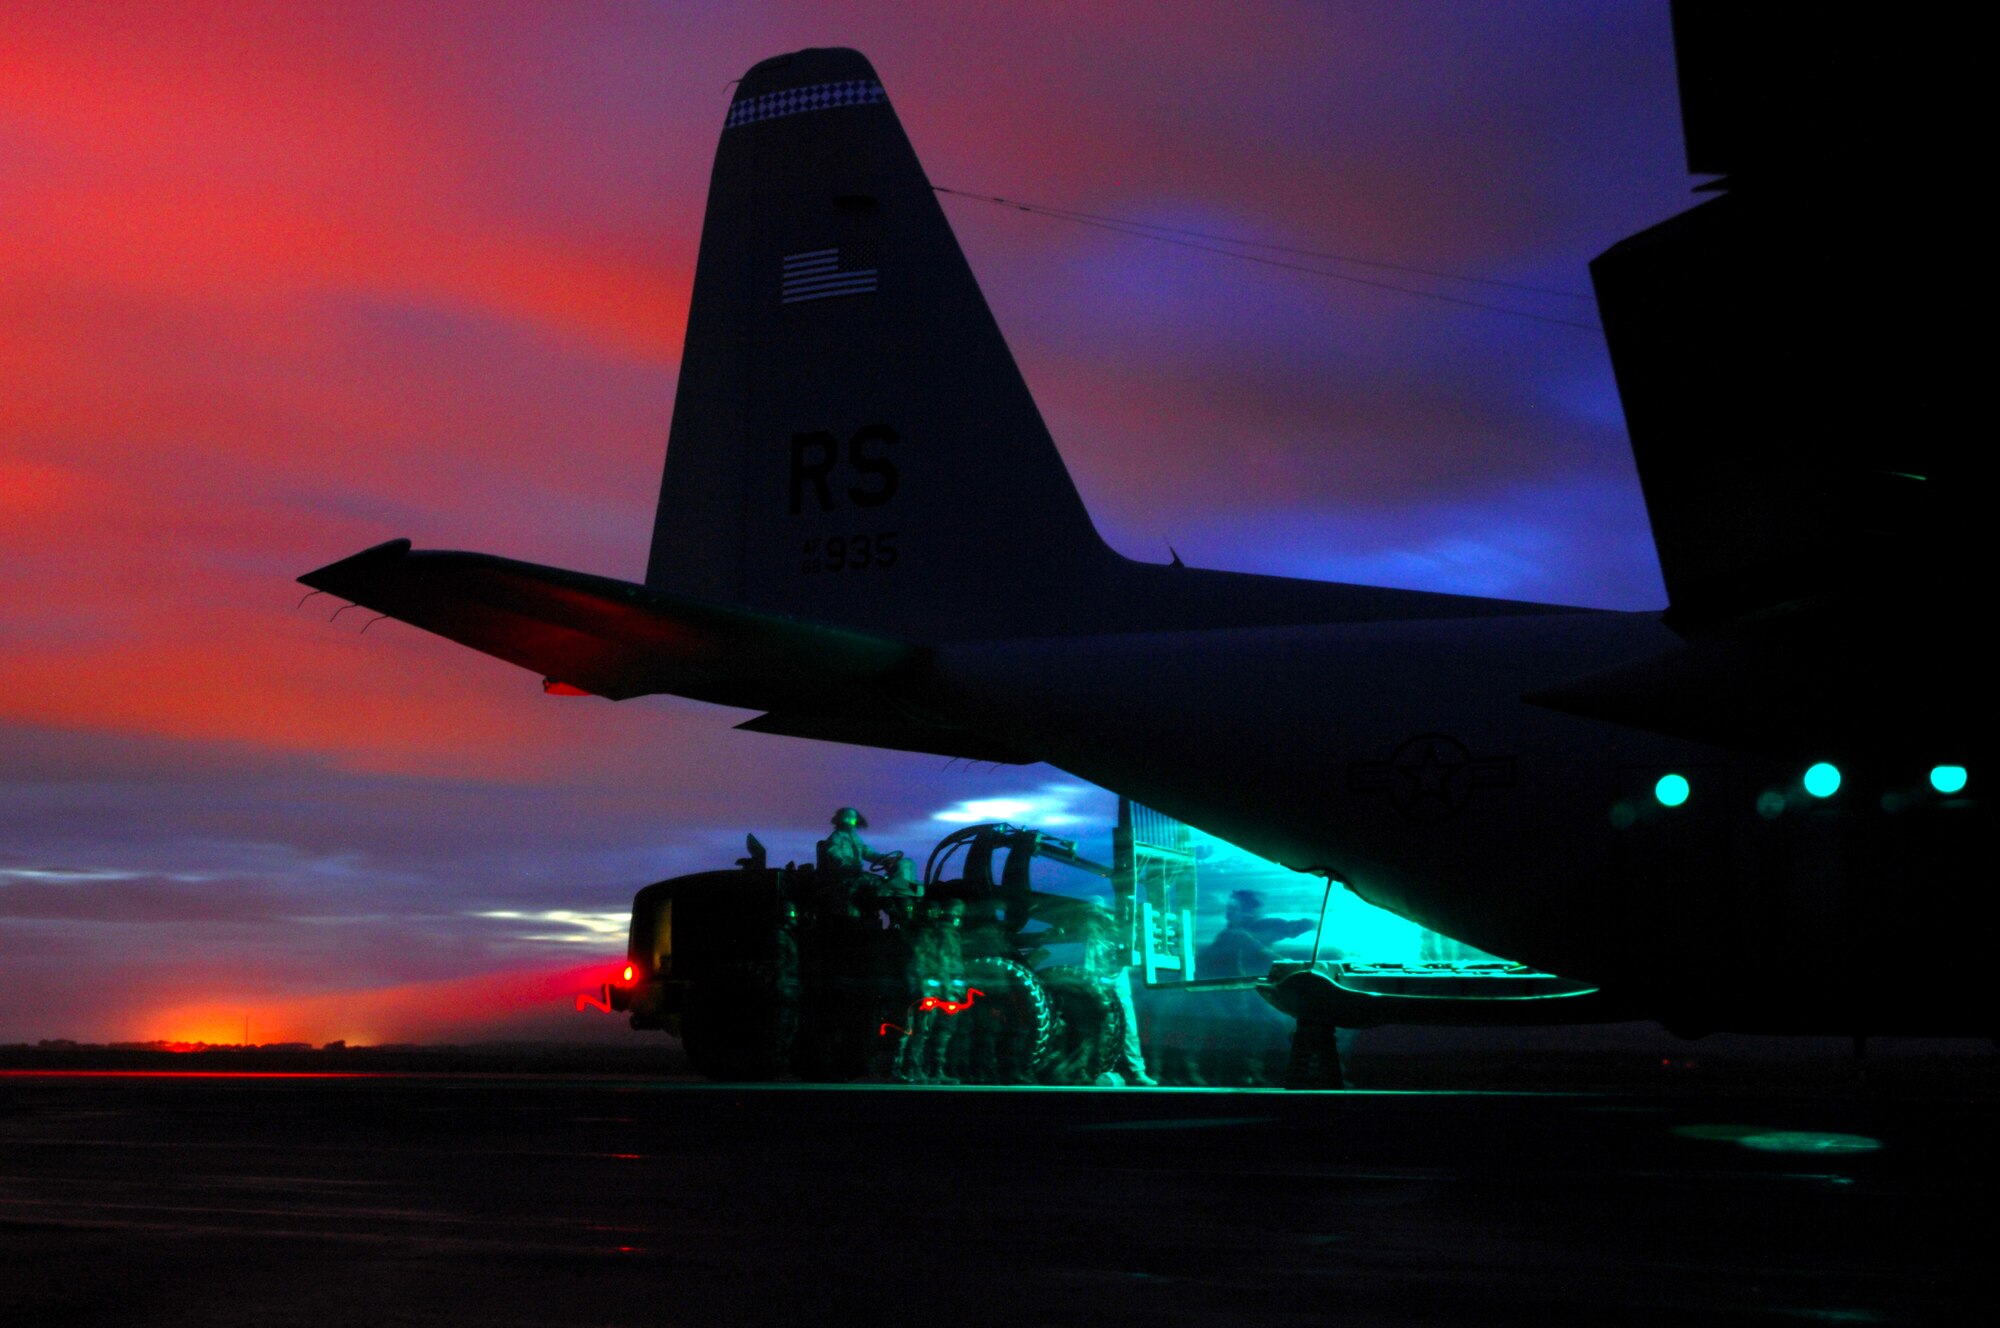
x: 852, y: 442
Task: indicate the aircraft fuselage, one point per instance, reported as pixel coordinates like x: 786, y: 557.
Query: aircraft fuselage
x: 1400, y: 757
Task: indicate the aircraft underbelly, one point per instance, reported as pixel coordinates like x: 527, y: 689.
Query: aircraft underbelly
x: 1395, y: 754
x: 1400, y: 757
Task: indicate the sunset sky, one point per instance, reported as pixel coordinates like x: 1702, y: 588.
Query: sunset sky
x: 278, y: 282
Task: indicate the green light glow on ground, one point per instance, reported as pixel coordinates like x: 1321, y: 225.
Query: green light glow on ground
x: 1823, y: 779
x: 1770, y: 804
x: 1672, y: 790
x: 1765, y: 1140
x: 1948, y: 778
x: 1809, y: 1141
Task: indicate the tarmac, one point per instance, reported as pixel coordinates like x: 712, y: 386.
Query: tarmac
x: 140, y: 1197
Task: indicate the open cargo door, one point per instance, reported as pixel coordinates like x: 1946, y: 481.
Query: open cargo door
x: 1154, y: 877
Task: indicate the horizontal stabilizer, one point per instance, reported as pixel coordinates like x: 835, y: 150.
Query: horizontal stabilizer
x: 613, y: 638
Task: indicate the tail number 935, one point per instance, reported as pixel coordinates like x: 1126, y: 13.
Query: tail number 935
x: 849, y: 553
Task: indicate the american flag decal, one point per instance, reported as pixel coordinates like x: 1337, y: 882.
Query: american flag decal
x: 821, y: 274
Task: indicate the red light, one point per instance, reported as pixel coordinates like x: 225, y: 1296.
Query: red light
x: 949, y: 1007
x: 554, y: 688
x: 628, y: 972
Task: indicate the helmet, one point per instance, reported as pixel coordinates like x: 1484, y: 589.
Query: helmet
x: 850, y: 816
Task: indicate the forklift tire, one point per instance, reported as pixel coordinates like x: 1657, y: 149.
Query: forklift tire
x: 1092, y: 1027
x: 1013, y: 1024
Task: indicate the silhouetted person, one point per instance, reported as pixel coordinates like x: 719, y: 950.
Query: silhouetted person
x: 1234, y: 1025
x: 1108, y: 962
x: 1242, y: 949
x: 936, y: 979
x: 846, y: 853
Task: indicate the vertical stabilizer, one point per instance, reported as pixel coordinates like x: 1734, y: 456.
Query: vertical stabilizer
x: 851, y: 440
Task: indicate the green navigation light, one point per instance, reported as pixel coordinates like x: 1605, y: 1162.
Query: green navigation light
x: 1672, y: 790
x: 1948, y: 778
x: 1823, y: 780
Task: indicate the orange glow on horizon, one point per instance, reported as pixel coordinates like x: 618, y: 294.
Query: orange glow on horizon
x: 449, y: 1009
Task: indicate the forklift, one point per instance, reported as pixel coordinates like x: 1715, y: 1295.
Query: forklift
x: 803, y: 970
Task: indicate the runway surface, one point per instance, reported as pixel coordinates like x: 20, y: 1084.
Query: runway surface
x: 517, y: 1200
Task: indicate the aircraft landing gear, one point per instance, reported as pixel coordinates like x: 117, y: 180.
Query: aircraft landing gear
x: 1315, y: 1059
